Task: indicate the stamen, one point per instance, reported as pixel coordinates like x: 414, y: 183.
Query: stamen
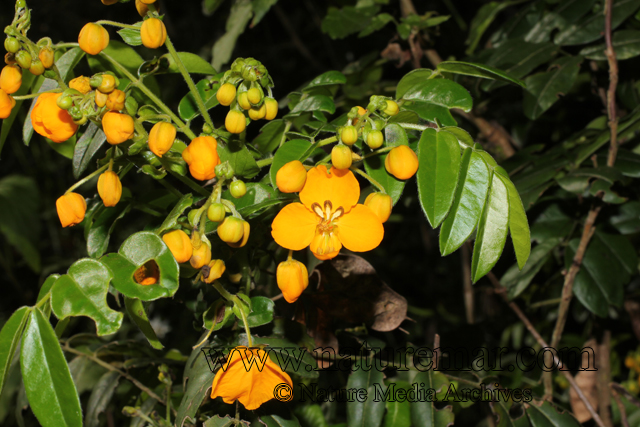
x: 328, y: 207
x: 337, y: 214
x: 317, y: 209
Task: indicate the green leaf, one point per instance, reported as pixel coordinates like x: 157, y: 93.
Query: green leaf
x: 210, y: 6
x: 218, y: 421
x: 567, y: 12
x: 492, y: 230
x: 9, y: 338
x: 626, y: 44
x: 198, y: 378
x: 327, y: 79
x: 398, y: 412
x: 288, y: 356
x: 425, y: 414
x: 240, y: 159
x: 89, y: 143
x: 136, y: 312
x: 543, y: 414
x: 52, y: 395
x: 377, y: 23
x: 439, y: 160
x: 99, y: 228
x: 311, y: 415
x: 518, y: 223
x: 482, y: 20
x: 517, y: 280
x: 276, y: 421
x: 239, y: 17
x: 543, y: 88
x: 131, y: 36
x: 627, y: 221
x: 290, y: 151
x: 430, y: 112
x: 100, y: 398
x: 20, y: 216
x: 374, y: 165
x: 411, y: 79
x: 260, y: 9
x: 256, y: 194
x: 83, y: 292
x: 261, y: 311
x: 172, y: 219
x: 188, y: 109
x: 442, y: 92
x: 469, y: 200
x: 223, y: 315
x: 627, y: 162
x: 270, y: 136
x: 314, y: 103
x: 591, y: 28
x: 85, y: 373
x: 505, y: 412
x: 370, y: 412
x: 137, y: 250
x: 339, y: 23
x: 477, y: 70
x: 192, y: 62
x: 65, y: 148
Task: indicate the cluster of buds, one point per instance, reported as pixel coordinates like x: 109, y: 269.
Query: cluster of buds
x: 242, y: 89
x: 632, y: 362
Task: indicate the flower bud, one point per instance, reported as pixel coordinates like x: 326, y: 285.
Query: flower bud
x: 11, y: 44
x: 349, y: 135
x: 142, y: 8
x: 107, y: 83
x: 401, y: 162
x: 243, y: 101
x: 71, y: 208
x: 231, y: 230
x: 36, y: 67
x: 272, y: 108
x: 381, y: 205
x: 23, y: 58
x: 202, y: 157
x: 115, y: 100
x: 359, y: 113
x: 10, y: 59
x: 46, y: 57
x: 161, y: 138
x: 216, y: 269
x: 6, y: 104
x: 10, y: 79
x: 291, y: 177
x: 235, y: 122
x: 341, y: 157
x: 375, y: 139
x: 109, y: 2
x: 226, y: 94
x: 257, y: 113
x: 117, y: 127
x: 201, y: 256
x: 109, y: 188
x: 254, y: 96
x: 238, y: 189
x: 392, y: 108
x: 179, y: 244
x: 216, y: 212
x: 101, y: 99
x: 93, y: 38
x: 293, y: 278
x: 81, y: 84
x: 51, y: 121
x: 153, y: 33
x: 148, y: 1
x: 246, y: 231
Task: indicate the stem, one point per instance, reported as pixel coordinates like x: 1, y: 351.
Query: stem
x: 87, y: 178
x: 244, y: 320
x: 613, y: 84
x: 35, y: 95
x: 116, y: 24
x: 222, y: 291
x: 375, y: 153
x: 189, y: 80
x: 413, y: 127
x: 189, y: 183
x: 371, y: 180
x: 264, y: 162
x: 284, y: 134
x: 327, y: 141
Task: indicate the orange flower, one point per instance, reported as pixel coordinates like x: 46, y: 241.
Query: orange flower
x: 249, y: 376
x: 328, y: 217
x: 6, y: 104
x: 93, y: 38
x: 51, y: 121
x: 117, y: 127
x: 81, y: 84
x: 202, y: 157
x: 71, y: 208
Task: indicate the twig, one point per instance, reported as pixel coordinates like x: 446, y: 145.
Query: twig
x: 630, y: 397
x: 613, y: 84
x: 467, y: 286
x: 557, y: 362
x: 623, y: 412
x: 604, y: 377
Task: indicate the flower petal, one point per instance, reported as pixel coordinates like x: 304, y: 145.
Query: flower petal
x: 360, y: 230
x: 294, y: 227
x: 325, y: 246
x: 340, y: 187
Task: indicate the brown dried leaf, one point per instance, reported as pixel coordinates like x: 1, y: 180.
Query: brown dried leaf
x: 588, y: 383
x: 633, y: 308
x: 393, y: 52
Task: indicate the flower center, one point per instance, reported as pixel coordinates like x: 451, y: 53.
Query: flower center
x: 325, y: 240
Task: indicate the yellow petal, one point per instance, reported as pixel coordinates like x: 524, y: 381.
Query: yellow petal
x: 340, y: 187
x: 325, y: 246
x: 360, y: 230
x: 294, y: 227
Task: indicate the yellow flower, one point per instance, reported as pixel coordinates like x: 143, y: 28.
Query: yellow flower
x: 10, y: 78
x: 293, y: 278
x: 380, y: 204
x: 93, y: 38
x: 202, y: 157
x: 179, y: 244
x: 81, y: 84
x: 249, y: 376
x: 401, y: 162
x: 246, y: 230
x: 328, y: 217
x: 291, y: 177
x: 71, y: 208
x: 161, y: 138
x: 201, y: 256
x: 117, y: 127
x: 51, y: 121
x: 216, y: 268
x: 109, y: 188
x: 153, y: 33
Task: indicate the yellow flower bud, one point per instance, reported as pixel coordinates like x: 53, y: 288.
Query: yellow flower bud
x: 201, y: 256
x: 293, y: 278
x: 216, y: 269
x: 93, y: 38
x: 161, y: 138
x: 235, y: 122
x: 153, y: 33
x: 375, y: 139
x: 380, y: 204
x: 108, y: 83
x: 257, y: 113
x: 46, y: 57
x: 202, y: 157
x: 392, y: 108
x: 401, y: 162
x: 109, y: 2
x: 243, y: 101
x: 361, y: 112
x: 101, y: 99
x: 6, y: 104
x: 246, y: 231
x: 341, y: 157
x: 10, y: 79
x: 81, y: 84
x: 254, y: 96
x: 226, y: 94
x: 148, y: 1
x: 272, y: 108
x: 115, y: 100
x: 291, y: 177
x: 216, y: 212
x: 179, y: 244
x: 231, y: 230
x: 71, y: 208
x: 349, y: 135
x: 117, y: 127
x: 109, y: 188
x: 142, y: 8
